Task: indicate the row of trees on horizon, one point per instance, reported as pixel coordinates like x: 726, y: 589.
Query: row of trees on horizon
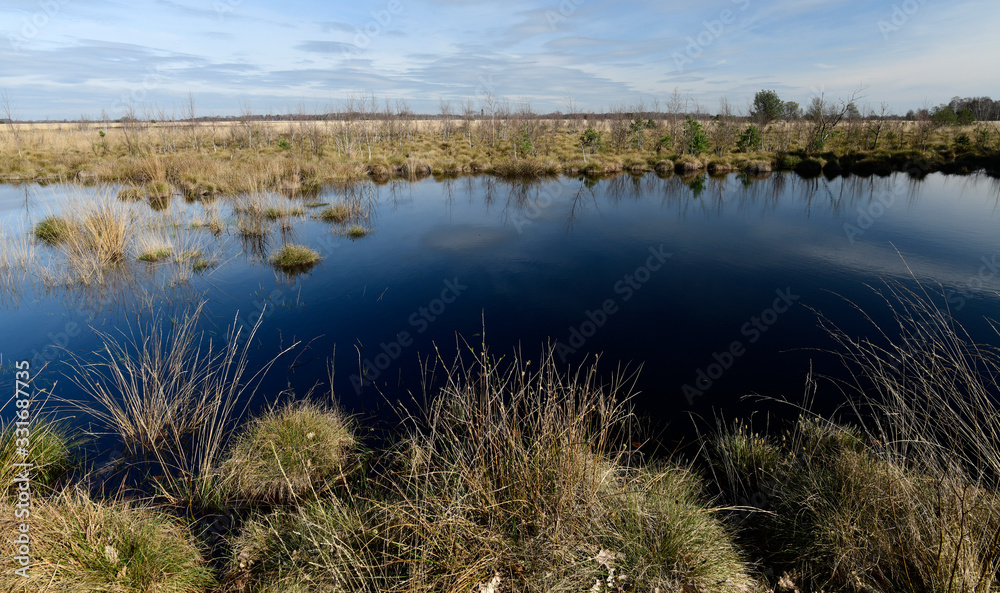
x: 766, y: 107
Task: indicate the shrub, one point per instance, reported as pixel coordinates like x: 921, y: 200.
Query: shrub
x: 695, y: 138
x: 962, y: 143
x: 750, y: 140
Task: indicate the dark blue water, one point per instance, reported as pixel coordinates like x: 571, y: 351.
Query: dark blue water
x: 713, y: 290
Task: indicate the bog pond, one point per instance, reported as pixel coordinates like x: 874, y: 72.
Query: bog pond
x: 711, y: 287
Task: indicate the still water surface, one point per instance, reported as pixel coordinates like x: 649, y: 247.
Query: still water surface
x: 711, y: 287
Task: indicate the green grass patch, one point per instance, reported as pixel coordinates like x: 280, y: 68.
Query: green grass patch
x: 357, y: 231
x: 288, y: 453
x: 52, y: 230
x: 156, y: 255
x: 336, y: 213
x: 295, y: 258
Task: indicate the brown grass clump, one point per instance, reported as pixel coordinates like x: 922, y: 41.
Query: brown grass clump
x: 907, y: 501
x: 511, y: 478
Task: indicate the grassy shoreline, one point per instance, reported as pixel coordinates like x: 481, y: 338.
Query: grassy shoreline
x: 516, y: 476
x: 291, y: 157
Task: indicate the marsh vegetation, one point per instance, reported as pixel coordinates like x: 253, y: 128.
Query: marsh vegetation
x: 519, y: 475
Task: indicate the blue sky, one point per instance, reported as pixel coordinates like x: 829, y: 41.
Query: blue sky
x: 67, y: 58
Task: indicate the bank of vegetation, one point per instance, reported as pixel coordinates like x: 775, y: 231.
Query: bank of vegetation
x: 512, y: 475
x: 366, y: 138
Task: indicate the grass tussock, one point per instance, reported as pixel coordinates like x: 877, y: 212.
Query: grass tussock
x: 323, y: 545
x: 295, y: 258
x: 288, y: 453
x: 172, y: 395
x: 83, y: 545
x: 906, y: 501
x: 335, y: 213
x: 513, y: 476
x: 92, y: 235
x: 130, y: 194
x: 48, y: 450
x: 52, y: 230
x: 356, y: 231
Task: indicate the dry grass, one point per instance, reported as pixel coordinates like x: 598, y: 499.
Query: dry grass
x: 79, y: 545
x: 513, y: 474
x: 907, y: 501
x: 172, y: 396
x: 224, y: 162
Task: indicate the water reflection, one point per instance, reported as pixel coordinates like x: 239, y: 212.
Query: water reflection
x: 536, y: 258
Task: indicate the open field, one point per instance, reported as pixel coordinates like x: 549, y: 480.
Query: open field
x: 253, y: 155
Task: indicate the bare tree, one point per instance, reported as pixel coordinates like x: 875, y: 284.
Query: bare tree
x: 826, y: 116
x: 8, y: 112
x: 676, y: 107
x: 468, y: 119
x: 132, y: 129
x: 490, y: 102
x: 192, y: 124
x: 572, y: 112
x: 446, y: 122
x: 877, y: 122
x: 724, y: 131
x: 246, y: 119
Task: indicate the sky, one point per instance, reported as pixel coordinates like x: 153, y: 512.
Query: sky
x: 63, y: 59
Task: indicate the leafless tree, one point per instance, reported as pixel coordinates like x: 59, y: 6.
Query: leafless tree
x: 247, y: 121
x: 876, y: 125
x: 189, y: 114
x: 132, y: 129
x: 468, y: 120
x: 724, y: 131
x: 8, y: 112
x: 827, y: 115
x: 446, y: 122
x: 677, y: 106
